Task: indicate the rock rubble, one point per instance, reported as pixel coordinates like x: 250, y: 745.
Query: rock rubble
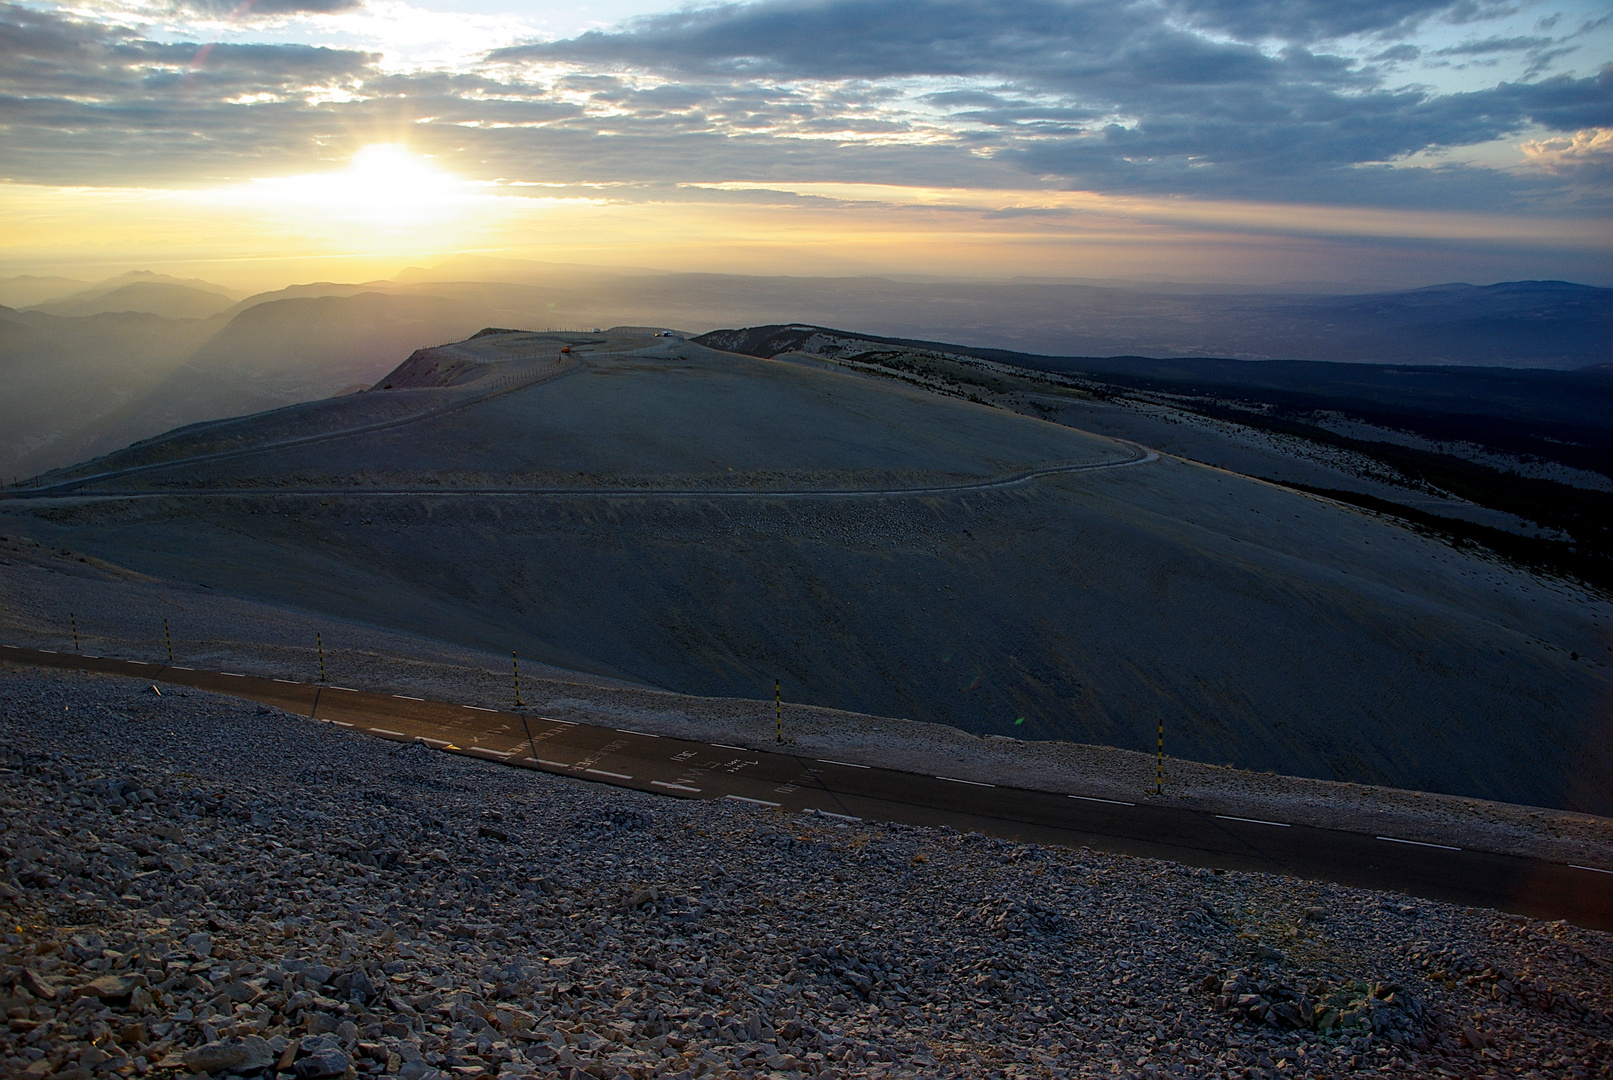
x: 196, y: 886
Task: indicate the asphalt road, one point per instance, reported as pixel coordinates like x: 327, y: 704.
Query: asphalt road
x: 776, y: 779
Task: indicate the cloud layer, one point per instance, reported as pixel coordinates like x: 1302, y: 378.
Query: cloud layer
x: 1294, y: 100
x: 1155, y: 98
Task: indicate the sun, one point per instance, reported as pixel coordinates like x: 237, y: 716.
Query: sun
x: 389, y: 185
x: 385, y: 188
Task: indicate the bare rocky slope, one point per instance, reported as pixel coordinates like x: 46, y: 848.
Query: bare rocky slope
x: 193, y: 885
x: 705, y: 523
x: 64, y: 600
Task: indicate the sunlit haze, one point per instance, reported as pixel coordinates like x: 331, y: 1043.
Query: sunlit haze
x: 1393, y: 144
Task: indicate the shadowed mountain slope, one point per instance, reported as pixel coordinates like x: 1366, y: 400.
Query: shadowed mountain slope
x: 703, y: 521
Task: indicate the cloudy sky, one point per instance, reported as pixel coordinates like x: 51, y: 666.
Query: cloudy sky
x: 1360, y: 141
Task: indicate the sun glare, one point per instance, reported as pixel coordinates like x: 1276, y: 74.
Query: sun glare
x: 385, y: 188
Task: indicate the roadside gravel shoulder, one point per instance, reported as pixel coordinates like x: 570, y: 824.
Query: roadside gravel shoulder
x: 196, y: 885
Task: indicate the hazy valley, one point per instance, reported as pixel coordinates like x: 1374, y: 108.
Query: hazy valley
x: 97, y: 367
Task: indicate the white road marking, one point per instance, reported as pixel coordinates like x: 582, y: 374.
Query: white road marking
x: 95, y: 656
x: 407, y: 697
x: 1094, y: 798
x: 603, y: 772
x: 142, y: 663
x: 293, y: 682
x: 233, y: 674
x: 955, y: 780
x: 725, y: 746
x: 490, y: 750
x: 630, y: 731
x: 552, y: 720
x: 847, y: 764
x: 181, y: 667
x: 1419, y: 843
x: 1255, y: 821
x: 51, y: 651
x: 828, y: 813
x: 341, y: 723
x: 552, y: 764
x: 1592, y: 869
x: 756, y: 802
x: 478, y: 708
x: 388, y: 731
x: 349, y: 689
x: 673, y: 787
x: 434, y: 742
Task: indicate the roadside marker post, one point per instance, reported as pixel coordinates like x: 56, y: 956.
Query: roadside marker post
x: 515, y: 666
x: 74, y: 619
x: 1159, y: 779
x: 169, y: 638
x: 319, y: 643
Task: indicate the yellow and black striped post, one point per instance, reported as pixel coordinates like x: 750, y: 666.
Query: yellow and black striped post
x: 778, y: 706
x: 169, y: 638
x: 74, y: 619
x: 515, y: 666
x: 1159, y: 779
x: 319, y: 643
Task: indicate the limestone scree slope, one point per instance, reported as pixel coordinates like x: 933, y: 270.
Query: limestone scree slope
x: 199, y: 886
x: 703, y: 522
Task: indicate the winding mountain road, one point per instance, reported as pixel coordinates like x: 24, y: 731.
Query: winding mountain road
x: 777, y: 779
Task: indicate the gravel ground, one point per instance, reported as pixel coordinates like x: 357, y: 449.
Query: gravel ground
x: 120, y: 614
x: 194, y: 884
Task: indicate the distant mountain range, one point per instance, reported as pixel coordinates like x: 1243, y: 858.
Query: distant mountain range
x: 144, y: 292
x: 90, y: 367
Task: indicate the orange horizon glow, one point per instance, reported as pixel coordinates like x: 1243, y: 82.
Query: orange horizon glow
x: 390, y: 208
